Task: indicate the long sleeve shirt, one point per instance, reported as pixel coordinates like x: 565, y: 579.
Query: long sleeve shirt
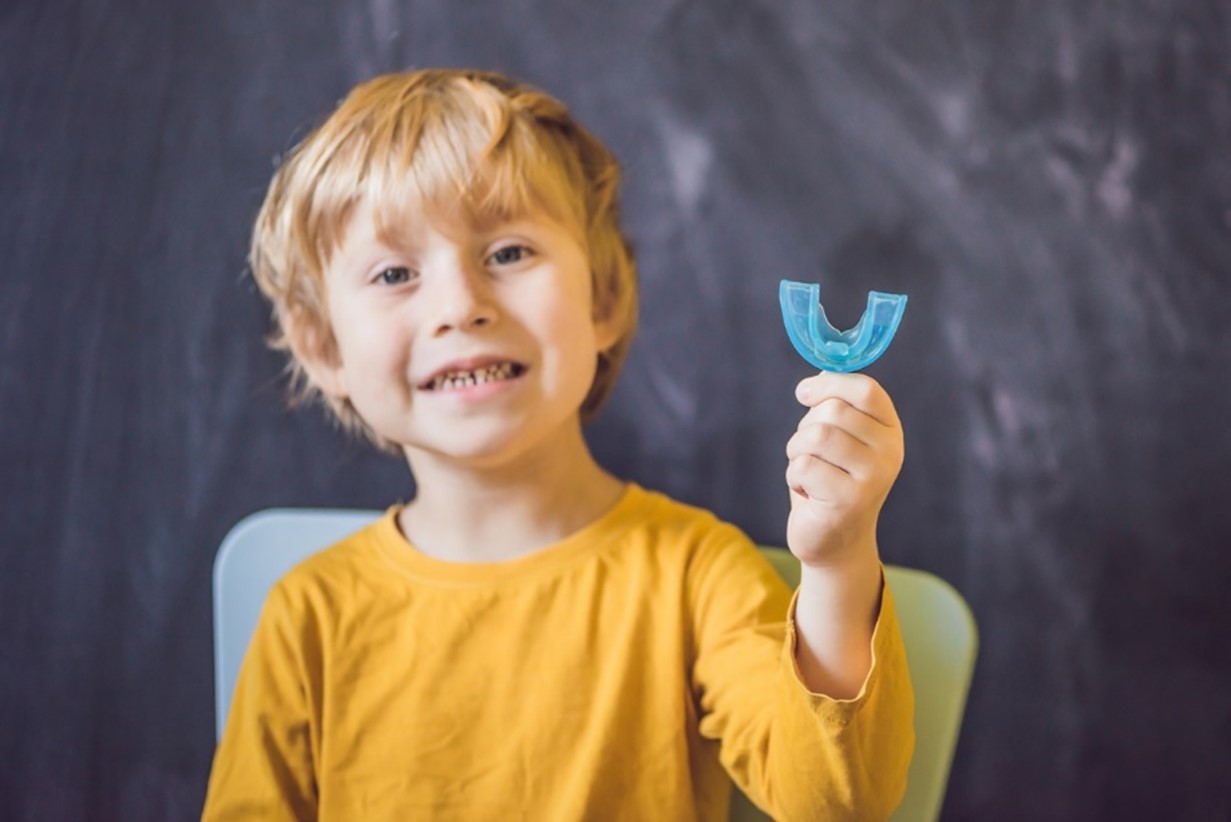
x: 630, y: 671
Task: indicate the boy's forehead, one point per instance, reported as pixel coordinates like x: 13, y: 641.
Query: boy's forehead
x: 394, y: 222
x: 454, y: 183
x: 397, y: 225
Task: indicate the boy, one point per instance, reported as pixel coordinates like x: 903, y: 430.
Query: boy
x: 529, y: 637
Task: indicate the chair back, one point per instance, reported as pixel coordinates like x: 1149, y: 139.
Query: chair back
x: 937, y: 627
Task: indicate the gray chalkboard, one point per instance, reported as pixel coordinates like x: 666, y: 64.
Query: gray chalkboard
x: 1049, y: 182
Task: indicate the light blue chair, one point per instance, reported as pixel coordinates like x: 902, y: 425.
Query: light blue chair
x: 937, y: 626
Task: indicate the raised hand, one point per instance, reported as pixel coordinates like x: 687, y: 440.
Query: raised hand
x: 843, y: 459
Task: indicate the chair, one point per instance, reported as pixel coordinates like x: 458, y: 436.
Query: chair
x: 937, y: 627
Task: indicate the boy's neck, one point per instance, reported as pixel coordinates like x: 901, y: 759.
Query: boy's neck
x: 469, y: 514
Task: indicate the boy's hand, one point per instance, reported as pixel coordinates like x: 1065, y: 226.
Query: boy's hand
x: 844, y: 457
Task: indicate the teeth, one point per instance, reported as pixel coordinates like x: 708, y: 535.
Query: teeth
x: 465, y: 379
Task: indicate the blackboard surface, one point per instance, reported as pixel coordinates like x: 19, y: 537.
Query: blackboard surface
x: 1049, y: 182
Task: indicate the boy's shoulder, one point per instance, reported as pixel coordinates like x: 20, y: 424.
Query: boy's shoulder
x: 659, y: 507
x: 666, y: 518
x: 707, y: 552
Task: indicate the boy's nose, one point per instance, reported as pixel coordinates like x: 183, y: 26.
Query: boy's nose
x: 463, y: 301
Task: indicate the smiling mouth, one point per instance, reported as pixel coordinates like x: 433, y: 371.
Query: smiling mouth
x: 465, y: 378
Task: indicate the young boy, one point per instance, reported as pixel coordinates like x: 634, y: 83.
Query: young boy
x: 530, y: 637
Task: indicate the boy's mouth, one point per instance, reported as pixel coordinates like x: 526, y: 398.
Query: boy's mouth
x: 454, y: 378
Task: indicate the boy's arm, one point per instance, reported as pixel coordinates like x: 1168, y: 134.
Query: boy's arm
x: 844, y: 457
x: 798, y: 754
x: 263, y: 767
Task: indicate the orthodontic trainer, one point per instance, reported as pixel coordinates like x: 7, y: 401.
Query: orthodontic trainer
x: 826, y: 347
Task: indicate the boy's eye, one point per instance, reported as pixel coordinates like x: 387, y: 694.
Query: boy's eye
x: 395, y: 275
x: 509, y: 254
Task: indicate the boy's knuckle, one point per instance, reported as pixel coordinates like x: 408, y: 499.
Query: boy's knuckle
x: 832, y: 411
x: 821, y: 434
x: 867, y: 392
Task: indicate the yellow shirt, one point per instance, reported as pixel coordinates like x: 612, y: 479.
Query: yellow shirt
x: 619, y: 674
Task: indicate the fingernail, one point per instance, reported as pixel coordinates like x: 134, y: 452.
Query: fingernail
x: 803, y: 391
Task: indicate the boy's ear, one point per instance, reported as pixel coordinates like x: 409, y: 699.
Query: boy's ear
x: 608, y: 328
x: 318, y: 354
x: 607, y: 333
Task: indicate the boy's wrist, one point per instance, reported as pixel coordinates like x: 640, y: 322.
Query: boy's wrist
x: 845, y: 588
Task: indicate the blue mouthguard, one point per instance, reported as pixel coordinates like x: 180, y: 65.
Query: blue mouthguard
x: 826, y: 347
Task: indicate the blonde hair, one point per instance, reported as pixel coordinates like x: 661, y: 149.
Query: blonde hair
x: 463, y: 143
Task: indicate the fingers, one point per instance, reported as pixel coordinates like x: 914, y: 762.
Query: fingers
x: 842, y: 460
x: 812, y: 478
x: 838, y: 413
x: 850, y: 434
x: 857, y: 390
x: 831, y: 443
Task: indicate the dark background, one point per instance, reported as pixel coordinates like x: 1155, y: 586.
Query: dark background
x: 1050, y: 182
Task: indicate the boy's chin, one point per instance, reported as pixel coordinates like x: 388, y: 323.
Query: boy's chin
x: 480, y: 449
x: 477, y: 455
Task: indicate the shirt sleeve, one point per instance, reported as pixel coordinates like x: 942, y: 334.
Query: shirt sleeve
x: 796, y: 754
x: 265, y: 763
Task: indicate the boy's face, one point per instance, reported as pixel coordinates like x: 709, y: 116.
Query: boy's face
x: 471, y: 344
